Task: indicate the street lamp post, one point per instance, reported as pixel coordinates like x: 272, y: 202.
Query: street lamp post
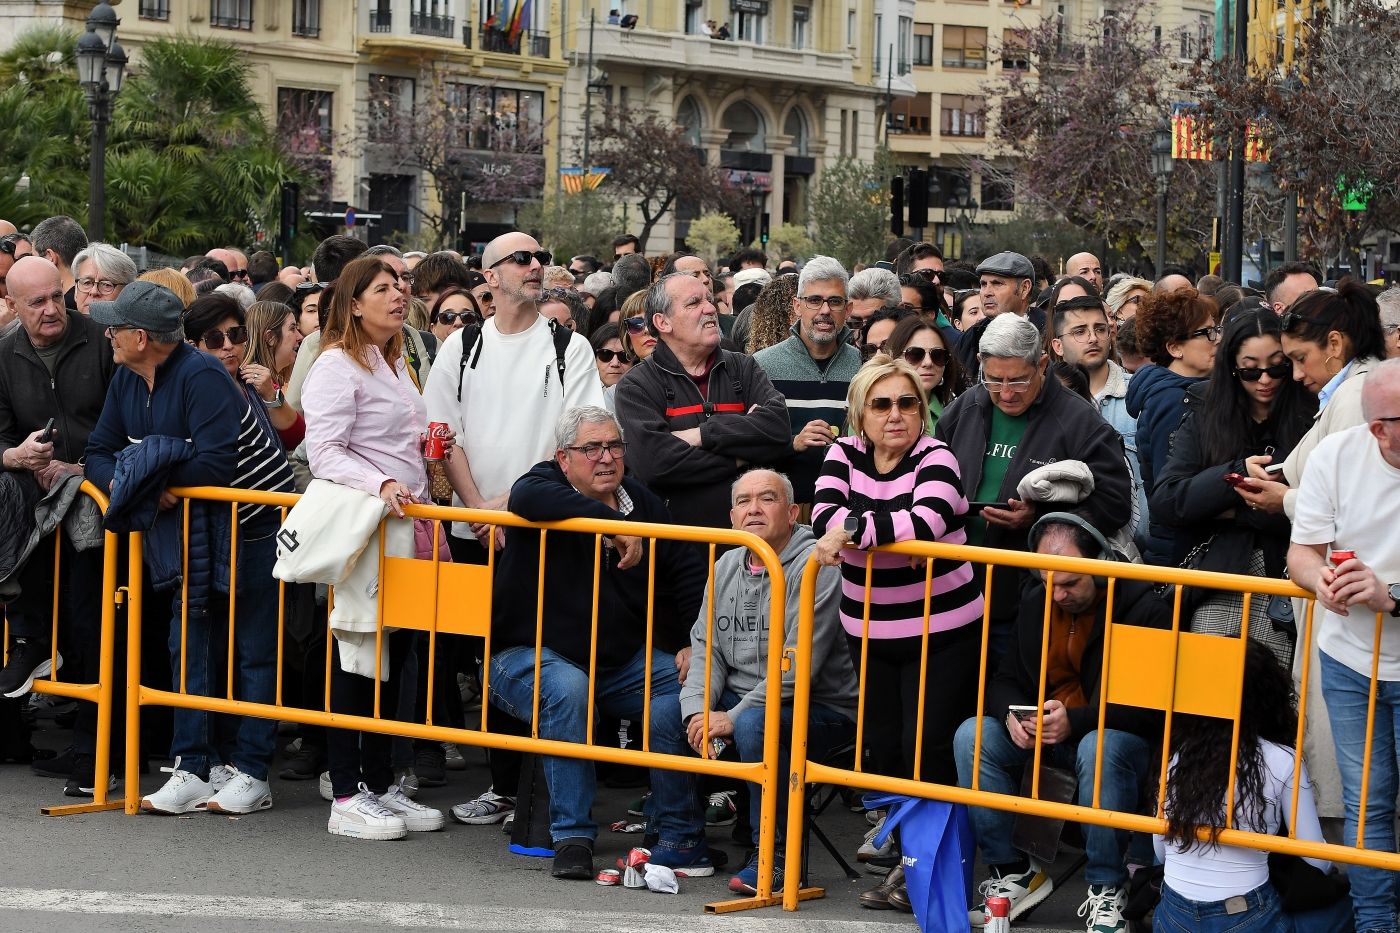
x: 101, y: 66
x: 1289, y: 91
x: 754, y: 189
x: 1162, y: 169
x: 966, y: 206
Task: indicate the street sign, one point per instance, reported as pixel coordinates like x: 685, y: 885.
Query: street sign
x: 1213, y: 263
x: 349, y: 217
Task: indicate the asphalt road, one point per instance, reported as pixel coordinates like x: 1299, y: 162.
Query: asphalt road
x: 280, y: 870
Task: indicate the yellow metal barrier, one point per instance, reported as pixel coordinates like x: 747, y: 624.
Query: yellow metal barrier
x: 1170, y: 670
x: 418, y: 594
x: 100, y: 692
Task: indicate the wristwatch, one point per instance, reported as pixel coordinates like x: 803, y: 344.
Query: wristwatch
x: 1394, y: 591
x: 276, y: 401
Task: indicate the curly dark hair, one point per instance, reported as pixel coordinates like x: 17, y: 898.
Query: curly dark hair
x: 1168, y: 317
x: 1199, y: 775
x: 772, y: 314
x: 1351, y: 311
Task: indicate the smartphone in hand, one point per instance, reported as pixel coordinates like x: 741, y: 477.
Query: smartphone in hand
x: 1240, y: 481
x: 1022, y: 713
x: 47, y: 436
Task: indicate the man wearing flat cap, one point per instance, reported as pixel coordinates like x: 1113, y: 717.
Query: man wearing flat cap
x: 1006, y: 282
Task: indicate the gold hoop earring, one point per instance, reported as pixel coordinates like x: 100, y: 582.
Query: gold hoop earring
x: 1329, y: 359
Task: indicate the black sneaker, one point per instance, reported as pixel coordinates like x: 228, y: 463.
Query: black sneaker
x: 305, y: 764
x: 29, y: 659
x: 80, y: 782
x: 59, y: 767
x: 573, y: 859
x: 430, y: 764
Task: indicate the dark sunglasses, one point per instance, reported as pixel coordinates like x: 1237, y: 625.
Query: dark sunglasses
x: 882, y: 405
x: 451, y: 317
x: 238, y: 274
x: 522, y: 257
x: 1254, y: 373
x: 8, y: 243
x: 868, y: 351
x: 484, y: 298
x: 605, y: 355
x: 310, y: 287
x: 214, y: 339
x: 636, y: 326
x: 1292, y: 320
x: 936, y: 274
x: 915, y: 355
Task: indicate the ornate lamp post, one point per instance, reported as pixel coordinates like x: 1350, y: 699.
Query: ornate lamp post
x: 1162, y: 169
x: 101, y: 67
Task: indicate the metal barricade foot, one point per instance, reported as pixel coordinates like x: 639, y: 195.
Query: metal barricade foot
x: 750, y: 903
x: 72, y: 809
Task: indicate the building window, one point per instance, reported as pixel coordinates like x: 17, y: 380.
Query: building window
x: 855, y: 133
x: 998, y: 194
x: 964, y: 47
x: 694, y: 17
x: 923, y: 44
x: 912, y: 115
x: 305, y: 129
x: 493, y: 117
x: 751, y: 26
x: 962, y: 115
x: 904, y: 39
x: 306, y: 18
x: 390, y: 107
x: 800, y: 17
x: 851, y: 28
x: 381, y: 17
x: 231, y: 14
x: 1015, y: 50
x: 154, y: 9
x: 879, y: 44
x: 429, y: 18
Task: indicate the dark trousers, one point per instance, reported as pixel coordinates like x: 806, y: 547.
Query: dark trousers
x: 355, y: 756
x: 892, y: 697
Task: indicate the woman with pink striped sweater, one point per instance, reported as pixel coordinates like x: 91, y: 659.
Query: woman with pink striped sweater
x: 895, y: 482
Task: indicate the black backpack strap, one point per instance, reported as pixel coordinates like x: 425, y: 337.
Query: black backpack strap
x: 562, y: 336
x: 471, y: 338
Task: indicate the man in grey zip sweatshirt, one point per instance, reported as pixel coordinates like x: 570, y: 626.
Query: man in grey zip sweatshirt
x: 762, y: 504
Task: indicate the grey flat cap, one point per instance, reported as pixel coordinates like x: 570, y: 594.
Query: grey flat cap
x: 1008, y: 263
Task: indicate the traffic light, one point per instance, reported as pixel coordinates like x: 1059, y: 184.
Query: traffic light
x: 897, y: 205
x: 918, y: 198
x: 763, y: 228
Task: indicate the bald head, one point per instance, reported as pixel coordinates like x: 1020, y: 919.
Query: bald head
x: 7, y: 228
x: 1170, y: 283
x: 31, y: 275
x: 36, y: 297
x: 1380, y: 394
x: 504, y: 245
x: 1086, y: 266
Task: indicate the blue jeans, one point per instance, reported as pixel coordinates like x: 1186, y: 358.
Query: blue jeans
x: 563, y: 708
x: 1125, y: 763
x: 1261, y: 914
x: 1373, y: 890
x: 677, y: 816
x: 196, y: 733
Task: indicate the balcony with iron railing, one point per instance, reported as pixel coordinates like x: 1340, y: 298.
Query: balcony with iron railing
x: 381, y: 20
x: 701, y: 53
x: 496, y: 39
x: 154, y: 9
x: 424, y: 24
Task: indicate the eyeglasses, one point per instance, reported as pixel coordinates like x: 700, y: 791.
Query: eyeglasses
x: 1292, y: 320
x: 906, y: 306
x: 406, y: 277
x: 1133, y: 300
x: 238, y: 274
x: 594, y: 452
x: 935, y: 274
x: 636, y: 326
x: 9, y: 243
x: 605, y: 355
x: 102, y: 286
x: 815, y: 302
x: 451, y: 317
x: 214, y: 339
x: 882, y: 404
x: 868, y: 351
x: 1210, y: 333
x: 1255, y: 373
x: 1083, y: 332
x: 1006, y: 385
x: 915, y: 355
x: 522, y: 257
x: 111, y: 329
x: 310, y: 287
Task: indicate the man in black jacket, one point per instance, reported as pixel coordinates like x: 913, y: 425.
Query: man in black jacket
x: 586, y: 480
x: 54, y: 369
x: 696, y: 415
x: 1068, y: 726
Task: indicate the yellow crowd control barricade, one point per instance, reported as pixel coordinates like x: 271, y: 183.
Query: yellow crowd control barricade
x: 99, y: 692
x: 1172, y: 670
x: 439, y: 597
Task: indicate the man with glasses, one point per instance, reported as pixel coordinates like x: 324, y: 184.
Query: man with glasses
x: 1013, y: 421
x: 697, y: 414
x: 921, y: 257
x: 59, y: 239
x: 812, y: 369
x: 624, y: 245
x: 503, y: 397
x: 54, y: 370
x: 587, y: 477
x: 233, y: 260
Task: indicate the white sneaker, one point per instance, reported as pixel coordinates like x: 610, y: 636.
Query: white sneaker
x: 1103, y: 909
x: 1024, y: 890
x: 418, y: 818
x: 868, y: 850
x: 241, y: 793
x: 219, y: 775
x: 324, y: 785
x: 364, y: 816
x: 181, y: 794
x: 490, y: 807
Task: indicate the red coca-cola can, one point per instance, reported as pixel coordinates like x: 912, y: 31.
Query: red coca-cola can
x: 1339, y: 556
x: 609, y: 876
x: 435, y: 441
x: 998, y: 914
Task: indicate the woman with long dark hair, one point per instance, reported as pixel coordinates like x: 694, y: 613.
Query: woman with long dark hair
x: 921, y: 344
x: 1209, y: 887
x: 1248, y: 407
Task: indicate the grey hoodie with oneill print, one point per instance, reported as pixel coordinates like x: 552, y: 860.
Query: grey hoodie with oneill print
x: 740, y: 663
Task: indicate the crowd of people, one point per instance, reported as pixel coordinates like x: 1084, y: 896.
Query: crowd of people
x: 827, y: 411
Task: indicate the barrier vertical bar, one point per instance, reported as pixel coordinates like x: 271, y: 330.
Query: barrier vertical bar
x: 593, y: 636
x: 1040, y: 693
x: 1370, y: 735
x: 539, y: 639
x: 709, y: 656
x: 133, y: 674
x: 184, y: 596
x: 923, y: 672
x: 864, y: 662
x: 1309, y: 605
x: 432, y: 632
x: 1171, y: 704
x: 982, y: 681
x: 651, y: 628
x: 1235, y: 726
x: 282, y: 623
x: 1103, y: 689
x: 53, y: 618
x: 232, y: 595
x: 490, y: 597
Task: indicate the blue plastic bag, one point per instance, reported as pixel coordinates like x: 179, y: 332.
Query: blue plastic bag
x: 936, y: 839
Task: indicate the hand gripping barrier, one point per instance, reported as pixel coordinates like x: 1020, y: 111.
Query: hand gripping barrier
x: 424, y: 595
x: 99, y: 693
x: 1170, y: 670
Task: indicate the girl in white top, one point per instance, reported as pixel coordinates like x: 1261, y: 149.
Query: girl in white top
x: 1207, y: 886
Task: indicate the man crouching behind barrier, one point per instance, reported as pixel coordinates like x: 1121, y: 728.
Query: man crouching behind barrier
x: 762, y: 505
x: 1068, y: 727
x: 586, y: 480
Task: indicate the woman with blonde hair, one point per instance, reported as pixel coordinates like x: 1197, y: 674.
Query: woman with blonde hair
x: 173, y: 280
x: 636, y: 338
